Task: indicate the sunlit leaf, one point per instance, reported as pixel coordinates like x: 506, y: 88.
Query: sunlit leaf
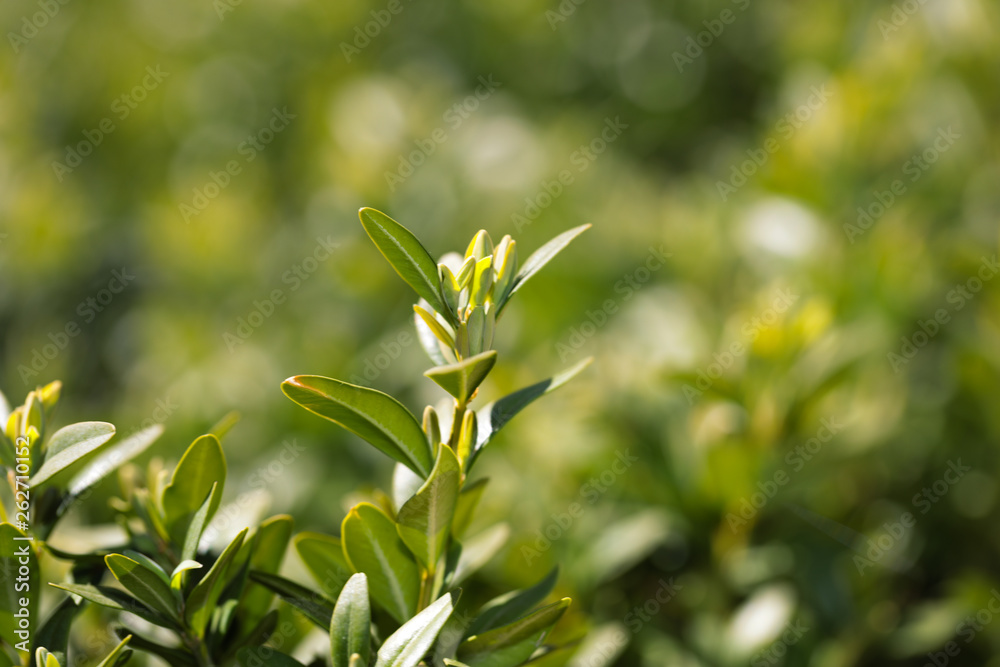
x: 70, y: 445
x: 424, y: 521
x: 378, y: 418
x: 406, y: 255
x: 373, y: 546
x: 323, y: 556
x: 202, y: 466
x: 461, y: 379
x: 407, y: 646
x: 350, y: 628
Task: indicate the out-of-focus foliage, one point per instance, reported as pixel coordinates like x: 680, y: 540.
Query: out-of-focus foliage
x: 206, y: 247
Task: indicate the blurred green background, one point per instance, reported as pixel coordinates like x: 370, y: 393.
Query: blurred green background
x: 812, y: 361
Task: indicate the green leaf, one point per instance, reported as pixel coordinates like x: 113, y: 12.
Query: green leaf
x: 116, y: 599
x: 407, y: 646
x: 202, y: 466
x: 114, y: 456
x: 350, y: 628
x: 424, y: 521
x: 406, y: 255
x: 513, y: 605
x: 465, y: 506
x: 174, y: 657
x: 323, y: 556
x: 148, y: 563
x: 143, y: 583
x: 269, y: 544
x: 265, y: 657
x: 463, y: 378
x: 115, y: 657
x: 199, y: 520
x: 69, y: 445
x: 514, y: 643
x: 378, y: 418
x: 201, y: 603
x: 14, y: 547
x: 54, y: 633
x: 478, y: 550
x: 373, y: 546
x: 494, y: 416
x: 541, y: 257
x: 316, y: 608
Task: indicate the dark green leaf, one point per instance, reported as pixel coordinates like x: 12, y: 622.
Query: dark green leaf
x: 316, y: 608
x: 378, y: 418
x: 461, y: 379
x: 541, y: 257
x: 406, y: 255
x: 201, y: 603
x: 494, y: 416
x: 513, y: 605
x: 172, y: 656
x: 350, y: 628
x: 514, y: 643
x: 146, y: 585
x: 373, y: 546
x: 116, y: 599
x: 269, y: 545
x: 424, y: 521
x: 323, y: 556
x: 265, y: 657
x: 54, y: 633
x: 199, y: 520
